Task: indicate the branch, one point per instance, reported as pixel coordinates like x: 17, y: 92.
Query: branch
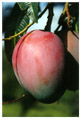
x: 58, y: 27
x: 65, y: 11
x: 15, y: 100
x: 16, y: 35
x: 43, y: 12
x: 50, y: 17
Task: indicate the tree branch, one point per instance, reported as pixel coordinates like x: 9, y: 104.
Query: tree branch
x: 50, y: 16
x: 15, y: 100
x: 16, y: 35
x: 63, y: 15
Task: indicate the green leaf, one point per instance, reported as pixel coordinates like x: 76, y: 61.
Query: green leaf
x: 9, y: 26
x: 21, y: 20
x: 22, y: 23
x: 32, y: 12
x: 23, y: 5
x: 18, y: 20
x: 77, y: 26
x: 31, y: 9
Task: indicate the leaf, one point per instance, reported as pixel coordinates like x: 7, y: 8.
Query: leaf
x: 32, y: 9
x: 77, y: 25
x: 32, y: 12
x: 23, y: 5
x: 20, y: 26
x: 9, y: 25
x: 10, y: 22
x: 21, y: 21
x: 17, y: 21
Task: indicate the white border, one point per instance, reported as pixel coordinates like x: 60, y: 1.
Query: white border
x: 40, y: 1
x: 30, y: 118
x: 1, y: 61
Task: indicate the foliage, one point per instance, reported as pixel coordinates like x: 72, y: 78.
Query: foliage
x: 20, y: 17
x: 23, y: 13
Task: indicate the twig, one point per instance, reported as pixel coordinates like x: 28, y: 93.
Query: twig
x: 43, y: 12
x: 15, y: 100
x: 65, y: 11
x: 50, y: 16
x: 16, y: 35
x: 58, y: 27
x: 74, y: 34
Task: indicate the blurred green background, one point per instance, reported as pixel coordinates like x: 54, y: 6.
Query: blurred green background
x: 67, y: 106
